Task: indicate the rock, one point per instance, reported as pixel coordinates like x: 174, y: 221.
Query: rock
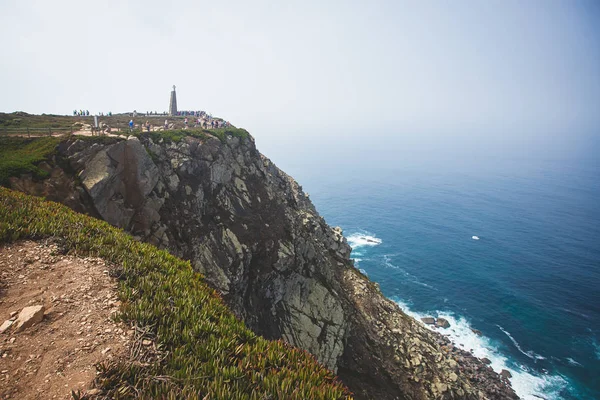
x: 441, y: 387
x: 29, y: 316
x: 428, y: 320
x: 486, y: 361
x: 505, y: 374
x: 119, y: 179
x: 442, y: 323
x: 4, y: 327
x: 476, y: 331
x: 106, y: 350
x: 146, y: 342
x: 93, y: 392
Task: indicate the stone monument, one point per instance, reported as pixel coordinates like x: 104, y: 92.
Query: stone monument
x: 173, y: 103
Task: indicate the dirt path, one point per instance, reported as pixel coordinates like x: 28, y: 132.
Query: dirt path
x: 57, y: 355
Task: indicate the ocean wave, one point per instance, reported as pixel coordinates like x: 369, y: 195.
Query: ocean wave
x: 573, y: 362
x: 531, y: 354
x: 576, y: 313
x: 597, y: 347
x: 527, y: 384
x: 357, y: 240
x: 388, y: 263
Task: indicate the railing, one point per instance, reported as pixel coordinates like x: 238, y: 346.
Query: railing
x: 25, y: 130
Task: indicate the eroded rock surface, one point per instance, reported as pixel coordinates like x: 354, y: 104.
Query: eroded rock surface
x: 252, y: 231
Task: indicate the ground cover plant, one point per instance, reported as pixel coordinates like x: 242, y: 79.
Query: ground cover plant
x: 205, y: 352
x: 20, y: 155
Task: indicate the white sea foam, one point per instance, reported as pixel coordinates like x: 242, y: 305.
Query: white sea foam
x: 387, y: 261
x: 527, y: 384
x: 597, y: 347
x: 475, y: 237
x: 573, y: 362
x: 530, y: 353
x: 357, y: 240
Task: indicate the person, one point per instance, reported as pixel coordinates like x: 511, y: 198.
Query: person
x: 131, y: 125
x: 147, y: 126
x: 166, y: 124
x: 185, y: 121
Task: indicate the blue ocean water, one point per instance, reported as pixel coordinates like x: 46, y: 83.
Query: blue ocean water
x: 530, y: 283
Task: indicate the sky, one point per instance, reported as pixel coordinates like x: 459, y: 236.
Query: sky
x: 418, y: 76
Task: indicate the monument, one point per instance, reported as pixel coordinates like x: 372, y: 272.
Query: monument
x: 173, y: 103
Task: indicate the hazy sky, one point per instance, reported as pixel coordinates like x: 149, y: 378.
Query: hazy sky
x: 438, y: 71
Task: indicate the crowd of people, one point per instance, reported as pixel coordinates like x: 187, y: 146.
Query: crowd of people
x: 193, y: 119
x: 204, y: 122
x: 86, y: 113
x: 191, y: 113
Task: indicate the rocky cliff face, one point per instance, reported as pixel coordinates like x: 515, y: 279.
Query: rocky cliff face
x: 255, y: 235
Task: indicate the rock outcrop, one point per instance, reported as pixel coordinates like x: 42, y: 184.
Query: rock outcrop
x: 255, y: 235
x: 29, y: 316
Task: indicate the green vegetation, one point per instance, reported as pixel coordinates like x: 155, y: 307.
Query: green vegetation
x: 206, y: 353
x: 21, y: 155
x: 24, y: 120
x: 175, y: 135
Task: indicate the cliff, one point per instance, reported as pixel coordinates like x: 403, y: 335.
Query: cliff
x: 213, y: 199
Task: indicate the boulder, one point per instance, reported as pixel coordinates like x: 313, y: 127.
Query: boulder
x: 4, y: 327
x: 29, y: 316
x: 476, y: 331
x: 486, y: 361
x: 442, y: 323
x: 428, y: 320
x: 505, y: 374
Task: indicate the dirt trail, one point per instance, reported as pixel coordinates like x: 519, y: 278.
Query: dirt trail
x: 57, y: 355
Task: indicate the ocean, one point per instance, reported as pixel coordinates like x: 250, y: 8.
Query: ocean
x: 507, y: 247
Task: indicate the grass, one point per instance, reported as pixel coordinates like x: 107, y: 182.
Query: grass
x: 24, y: 120
x: 208, y: 353
x: 21, y: 155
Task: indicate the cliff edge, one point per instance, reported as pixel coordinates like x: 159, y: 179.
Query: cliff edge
x: 250, y: 229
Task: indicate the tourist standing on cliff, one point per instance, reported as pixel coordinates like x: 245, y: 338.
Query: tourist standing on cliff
x: 185, y: 121
x: 130, y: 125
x: 166, y: 124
